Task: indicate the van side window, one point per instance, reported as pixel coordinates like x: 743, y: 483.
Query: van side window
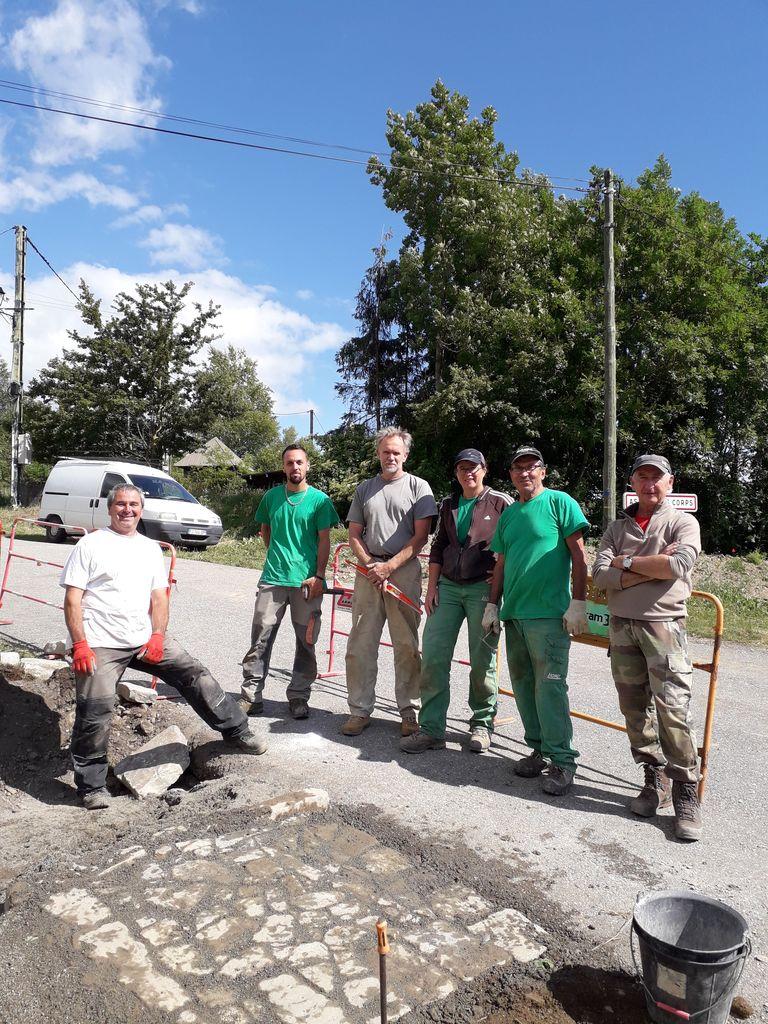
x: 111, y: 480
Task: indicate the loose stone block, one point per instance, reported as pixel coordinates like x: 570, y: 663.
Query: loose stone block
x: 301, y: 801
x: 156, y: 765
x: 134, y: 693
x: 41, y: 668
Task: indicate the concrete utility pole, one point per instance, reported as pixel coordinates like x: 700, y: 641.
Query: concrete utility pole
x: 17, y: 364
x: 311, y: 424
x: 609, y: 332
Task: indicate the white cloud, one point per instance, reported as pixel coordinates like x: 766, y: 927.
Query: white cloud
x: 38, y: 189
x: 285, y: 343
x: 149, y: 213
x: 182, y: 245
x: 305, y: 294
x: 96, y: 48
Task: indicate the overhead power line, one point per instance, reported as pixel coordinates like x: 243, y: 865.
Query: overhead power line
x: 515, y: 183
x: 53, y: 270
x: 37, y: 90
x: 183, y: 119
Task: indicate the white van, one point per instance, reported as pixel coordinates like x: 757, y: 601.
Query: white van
x: 76, y: 492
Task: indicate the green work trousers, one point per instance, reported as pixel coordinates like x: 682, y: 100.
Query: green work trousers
x: 537, y: 656
x: 457, y: 602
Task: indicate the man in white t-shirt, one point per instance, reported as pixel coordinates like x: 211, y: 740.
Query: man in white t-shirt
x: 389, y: 522
x: 116, y: 610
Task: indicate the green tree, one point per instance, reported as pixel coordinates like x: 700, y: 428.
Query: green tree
x: 232, y: 403
x: 125, y: 388
x: 378, y: 370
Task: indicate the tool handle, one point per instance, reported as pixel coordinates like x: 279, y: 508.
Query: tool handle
x: 381, y: 935
x: 671, y: 1009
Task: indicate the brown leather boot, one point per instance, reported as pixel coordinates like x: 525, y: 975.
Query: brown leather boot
x: 656, y: 792
x: 687, y: 810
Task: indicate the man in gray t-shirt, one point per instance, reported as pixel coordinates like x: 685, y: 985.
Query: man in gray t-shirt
x: 389, y: 522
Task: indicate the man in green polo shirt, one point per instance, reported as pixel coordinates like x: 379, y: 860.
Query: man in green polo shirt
x: 295, y: 522
x: 537, y: 540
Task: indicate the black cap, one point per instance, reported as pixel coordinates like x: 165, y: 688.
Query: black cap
x: 659, y: 461
x: 518, y: 453
x: 470, y: 455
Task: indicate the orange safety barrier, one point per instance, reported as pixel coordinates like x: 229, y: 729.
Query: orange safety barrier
x: 5, y: 589
x: 710, y: 666
x: 345, y: 601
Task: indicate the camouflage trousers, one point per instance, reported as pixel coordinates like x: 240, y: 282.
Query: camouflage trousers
x: 653, y: 675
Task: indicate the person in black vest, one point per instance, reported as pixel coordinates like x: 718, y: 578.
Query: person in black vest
x: 460, y: 568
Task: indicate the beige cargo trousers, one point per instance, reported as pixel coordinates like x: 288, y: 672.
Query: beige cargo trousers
x: 371, y: 608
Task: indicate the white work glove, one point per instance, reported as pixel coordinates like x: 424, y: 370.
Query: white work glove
x: 490, y: 621
x: 575, y: 620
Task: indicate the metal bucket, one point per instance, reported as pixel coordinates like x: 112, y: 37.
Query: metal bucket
x: 693, y: 950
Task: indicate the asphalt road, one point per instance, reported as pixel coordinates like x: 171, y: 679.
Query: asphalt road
x: 591, y: 856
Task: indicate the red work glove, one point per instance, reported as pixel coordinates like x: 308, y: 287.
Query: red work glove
x: 152, y: 651
x: 83, y: 658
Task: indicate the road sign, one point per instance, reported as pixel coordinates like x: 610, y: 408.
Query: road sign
x: 685, y: 502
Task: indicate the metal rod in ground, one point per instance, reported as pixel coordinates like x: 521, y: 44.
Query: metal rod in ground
x: 383, y: 947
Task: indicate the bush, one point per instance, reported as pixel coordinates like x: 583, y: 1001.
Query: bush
x: 755, y: 557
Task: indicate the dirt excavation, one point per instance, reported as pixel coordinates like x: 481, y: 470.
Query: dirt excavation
x: 226, y: 901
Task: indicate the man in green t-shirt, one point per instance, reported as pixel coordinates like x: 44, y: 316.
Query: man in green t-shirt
x: 537, y: 540
x: 295, y: 522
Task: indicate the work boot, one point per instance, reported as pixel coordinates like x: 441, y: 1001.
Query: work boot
x: 249, y: 742
x: 298, y: 707
x: 656, y: 792
x: 420, y: 741
x: 409, y: 724
x: 685, y: 800
x: 355, y: 724
x: 251, y: 707
x: 479, y: 739
x: 557, y: 781
x: 531, y: 766
x: 96, y: 799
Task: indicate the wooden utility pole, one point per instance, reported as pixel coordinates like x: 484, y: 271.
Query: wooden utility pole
x: 609, y: 332
x: 17, y: 364
x: 311, y: 424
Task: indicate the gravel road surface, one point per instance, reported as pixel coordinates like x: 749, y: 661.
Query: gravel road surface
x: 587, y: 853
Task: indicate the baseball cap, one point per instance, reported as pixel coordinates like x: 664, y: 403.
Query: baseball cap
x: 470, y: 455
x: 518, y: 453
x: 659, y: 461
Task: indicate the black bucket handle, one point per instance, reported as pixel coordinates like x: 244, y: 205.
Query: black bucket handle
x: 683, y: 1014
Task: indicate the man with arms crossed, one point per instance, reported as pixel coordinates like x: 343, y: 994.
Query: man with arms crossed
x: 296, y: 522
x: 537, y: 540
x: 644, y: 563
x: 389, y: 522
x: 116, y: 610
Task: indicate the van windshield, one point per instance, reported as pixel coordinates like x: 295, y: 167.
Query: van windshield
x: 162, y: 488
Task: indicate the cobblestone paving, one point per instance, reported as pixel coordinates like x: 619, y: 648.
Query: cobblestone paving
x: 278, y: 923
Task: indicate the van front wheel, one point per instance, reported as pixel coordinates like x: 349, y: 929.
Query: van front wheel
x: 55, y: 532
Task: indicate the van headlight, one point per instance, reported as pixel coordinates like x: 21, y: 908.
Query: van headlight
x: 169, y: 516
x: 216, y: 521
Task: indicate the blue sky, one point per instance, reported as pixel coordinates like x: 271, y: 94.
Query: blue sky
x: 281, y: 242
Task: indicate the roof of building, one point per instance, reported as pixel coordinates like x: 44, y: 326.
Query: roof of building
x: 212, y: 453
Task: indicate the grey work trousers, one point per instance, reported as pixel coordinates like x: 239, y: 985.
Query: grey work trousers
x: 96, y: 701
x: 268, y: 612
x: 371, y: 608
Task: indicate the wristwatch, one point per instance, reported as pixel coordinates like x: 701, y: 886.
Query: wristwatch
x: 627, y: 563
